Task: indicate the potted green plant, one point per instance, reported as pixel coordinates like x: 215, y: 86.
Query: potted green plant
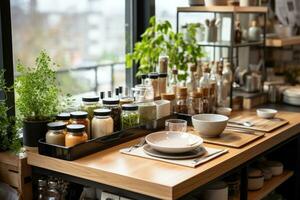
x: 9, y: 139
x: 37, y: 97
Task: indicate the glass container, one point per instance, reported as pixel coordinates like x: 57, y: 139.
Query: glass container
x: 64, y: 117
x: 171, y: 98
x: 153, y: 77
x: 126, y: 100
x: 143, y: 92
x: 102, y: 123
x: 181, y: 100
x: 89, y: 104
x: 162, y: 82
x: 42, y: 189
x: 195, y: 103
x: 56, y: 133
x: 114, y: 105
x: 75, y: 135
x: 163, y: 64
x: 172, y: 88
x: 147, y: 112
x: 81, y: 117
x: 130, y: 116
x: 52, y: 192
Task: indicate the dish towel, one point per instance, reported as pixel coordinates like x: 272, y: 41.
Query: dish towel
x: 210, y: 154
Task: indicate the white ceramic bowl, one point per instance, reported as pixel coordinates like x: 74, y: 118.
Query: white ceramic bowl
x: 266, y: 113
x: 224, y: 111
x: 173, y: 142
x: 275, y: 166
x: 255, y: 183
x: 216, y: 191
x: 209, y: 125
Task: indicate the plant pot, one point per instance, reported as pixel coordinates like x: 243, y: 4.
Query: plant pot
x: 33, y: 131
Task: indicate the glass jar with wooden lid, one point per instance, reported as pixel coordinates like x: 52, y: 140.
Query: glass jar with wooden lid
x: 170, y: 97
x: 56, y: 133
x: 81, y: 117
x: 75, y: 135
x: 195, y: 103
x: 181, y: 100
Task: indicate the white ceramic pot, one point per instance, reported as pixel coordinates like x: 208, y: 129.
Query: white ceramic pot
x: 209, y: 125
x: 266, y: 113
x: 216, y: 191
x: 163, y: 108
x: 255, y: 183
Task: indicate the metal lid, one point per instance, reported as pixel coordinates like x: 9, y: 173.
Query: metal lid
x: 131, y: 107
x: 111, y: 101
x: 79, y: 115
x: 56, y: 125
x: 162, y: 75
x: 144, y: 76
x: 90, y: 99
x: 63, y: 116
x: 102, y: 112
x: 75, y: 128
x: 153, y: 75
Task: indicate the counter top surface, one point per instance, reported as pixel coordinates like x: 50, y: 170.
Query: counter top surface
x: 159, y: 179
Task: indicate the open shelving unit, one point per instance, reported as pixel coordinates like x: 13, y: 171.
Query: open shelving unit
x: 270, y: 185
x: 281, y: 42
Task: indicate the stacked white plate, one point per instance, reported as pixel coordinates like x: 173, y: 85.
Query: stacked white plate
x: 292, y: 96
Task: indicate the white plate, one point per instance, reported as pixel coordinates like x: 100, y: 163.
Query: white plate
x: 177, y: 156
x: 173, y: 142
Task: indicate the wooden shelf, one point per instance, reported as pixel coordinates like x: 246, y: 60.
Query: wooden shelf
x: 270, y: 185
x: 224, y: 9
x: 280, y: 42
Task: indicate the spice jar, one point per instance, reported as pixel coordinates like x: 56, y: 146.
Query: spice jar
x: 181, y: 100
x: 64, y: 117
x: 113, y: 105
x: 89, y: 104
x: 154, y: 82
x: 162, y: 82
x: 171, y: 98
x: 75, y: 135
x: 81, y: 117
x: 195, y: 103
x: 56, y: 133
x: 102, y: 123
x: 147, y: 112
x: 52, y: 191
x: 130, y: 116
x: 126, y: 100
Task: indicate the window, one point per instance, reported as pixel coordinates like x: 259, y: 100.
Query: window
x: 85, y: 37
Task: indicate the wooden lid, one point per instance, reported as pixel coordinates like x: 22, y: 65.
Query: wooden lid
x: 196, y: 94
x: 168, y: 96
x: 182, y: 91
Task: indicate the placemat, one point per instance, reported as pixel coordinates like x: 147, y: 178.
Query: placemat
x: 232, y: 138
x: 194, y: 162
x: 259, y: 124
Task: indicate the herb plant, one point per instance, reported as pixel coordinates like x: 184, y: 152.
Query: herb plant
x: 37, y: 89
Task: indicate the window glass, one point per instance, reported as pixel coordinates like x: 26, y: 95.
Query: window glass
x: 85, y: 37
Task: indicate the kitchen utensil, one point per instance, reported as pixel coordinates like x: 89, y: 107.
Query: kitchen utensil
x: 173, y: 142
x: 176, y: 125
x: 209, y: 125
x: 245, y: 123
x: 141, y: 143
x: 178, y: 156
x: 266, y: 113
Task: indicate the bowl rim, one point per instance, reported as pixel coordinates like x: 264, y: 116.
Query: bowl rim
x: 225, y: 118
x: 200, y: 140
x: 266, y: 110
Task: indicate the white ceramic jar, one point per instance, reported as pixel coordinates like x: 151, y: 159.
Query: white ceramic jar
x: 102, y: 123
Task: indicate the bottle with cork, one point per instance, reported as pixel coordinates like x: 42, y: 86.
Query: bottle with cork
x: 191, y: 81
x: 181, y: 100
x: 221, y: 88
x: 173, y: 83
x: 205, y: 88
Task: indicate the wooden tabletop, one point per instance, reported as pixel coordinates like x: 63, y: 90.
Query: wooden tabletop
x: 159, y: 179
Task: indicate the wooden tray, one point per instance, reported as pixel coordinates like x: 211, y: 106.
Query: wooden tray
x: 260, y: 124
x: 233, y: 138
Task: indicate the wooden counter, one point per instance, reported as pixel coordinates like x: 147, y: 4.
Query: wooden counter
x: 159, y: 179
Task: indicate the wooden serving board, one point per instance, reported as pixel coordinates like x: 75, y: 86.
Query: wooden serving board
x: 260, y: 124
x: 233, y: 139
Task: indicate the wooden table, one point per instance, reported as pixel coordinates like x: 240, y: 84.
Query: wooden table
x: 159, y: 179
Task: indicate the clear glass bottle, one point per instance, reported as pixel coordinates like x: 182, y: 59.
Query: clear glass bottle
x: 42, y: 185
x: 221, y: 89
x: 182, y: 100
x: 102, y: 123
x: 56, y: 133
x: 52, y: 192
x: 75, y: 135
x: 114, y: 105
x: 204, y: 85
x: 162, y: 82
x: 143, y: 92
x: 81, y: 117
x: 195, y: 104
x: 89, y: 104
x: 191, y: 80
x: 130, y: 116
x: 173, y: 83
x: 153, y: 77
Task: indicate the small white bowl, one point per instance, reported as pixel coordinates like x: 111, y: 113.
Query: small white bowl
x: 209, y: 125
x: 275, y: 166
x: 215, y: 191
x: 266, y: 113
x: 224, y: 111
x: 255, y: 179
x: 173, y: 142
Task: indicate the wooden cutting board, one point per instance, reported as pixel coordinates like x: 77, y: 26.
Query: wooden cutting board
x: 260, y: 124
x: 232, y: 138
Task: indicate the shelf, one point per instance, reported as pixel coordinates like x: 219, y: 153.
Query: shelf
x: 280, y: 42
x: 228, y: 44
x: 224, y: 9
x: 270, y: 185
